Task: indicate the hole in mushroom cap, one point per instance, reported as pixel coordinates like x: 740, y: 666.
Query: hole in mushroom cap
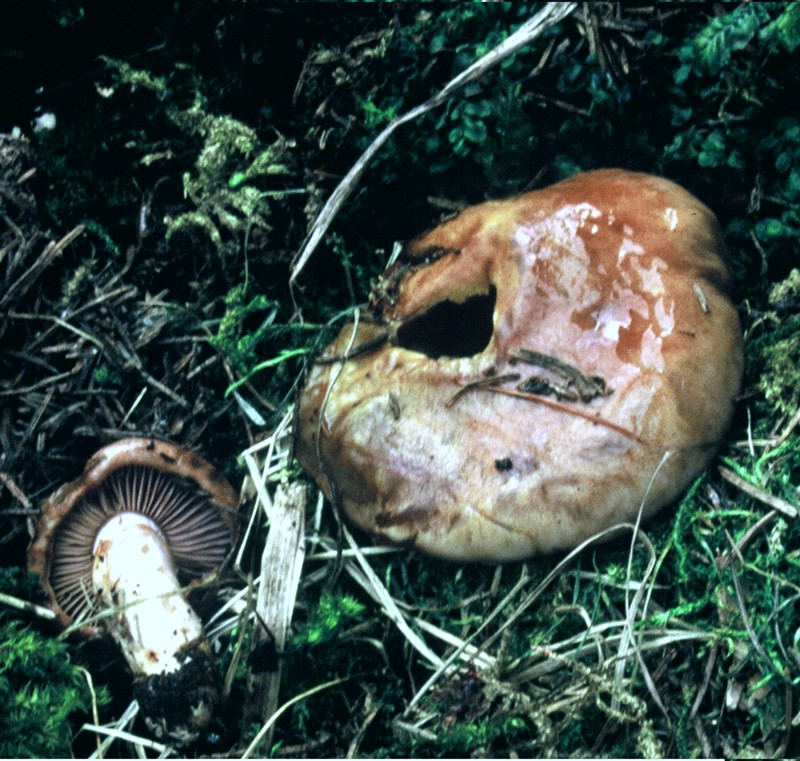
x: 449, y: 329
x: 198, y: 537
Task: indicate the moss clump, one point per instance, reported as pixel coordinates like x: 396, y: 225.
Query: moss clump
x: 776, y: 350
x: 328, y: 620
x: 40, y: 690
x: 223, y: 186
x: 780, y: 378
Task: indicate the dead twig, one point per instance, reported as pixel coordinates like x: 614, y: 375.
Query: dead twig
x: 569, y: 410
x: 27, y: 607
x: 21, y: 285
x: 479, y: 384
x: 776, y: 503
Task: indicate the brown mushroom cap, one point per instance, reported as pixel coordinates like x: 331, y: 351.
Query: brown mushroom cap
x: 536, y: 359
x: 192, y: 503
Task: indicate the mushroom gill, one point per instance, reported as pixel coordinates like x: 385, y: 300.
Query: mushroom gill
x: 198, y: 537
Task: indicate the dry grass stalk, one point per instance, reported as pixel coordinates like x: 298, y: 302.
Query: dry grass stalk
x: 118, y: 730
x: 262, y: 733
x: 28, y: 607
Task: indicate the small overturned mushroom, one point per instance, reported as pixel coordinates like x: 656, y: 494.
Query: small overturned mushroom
x: 531, y: 372
x: 145, y: 516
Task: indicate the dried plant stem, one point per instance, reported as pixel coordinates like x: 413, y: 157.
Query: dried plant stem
x: 95, y: 713
x: 561, y: 407
x: 776, y: 503
x: 281, y: 564
x: 288, y: 704
x: 125, y: 720
x: 634, y: 608
x: 120, y: 734
x: 26, y: 606
x: 551, y: 14
x: 369, y: 580
x: 21, y: 285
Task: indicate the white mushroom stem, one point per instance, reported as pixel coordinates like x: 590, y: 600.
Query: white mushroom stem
x: 161, y: 637
x: 134, y: 574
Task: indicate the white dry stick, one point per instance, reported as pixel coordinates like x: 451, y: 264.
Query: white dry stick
x: 281, y: 565
x: 119, y: 734
x: 468, y: 653
x: 551, y: 14
x: 123, y: 722
x: 276, y: 459
x: 28, y: 607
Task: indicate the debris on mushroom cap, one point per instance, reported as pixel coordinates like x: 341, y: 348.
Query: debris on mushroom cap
x: 534, y: 370
x: 145, y: 517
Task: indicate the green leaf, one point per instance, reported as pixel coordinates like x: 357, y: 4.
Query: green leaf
x: 735, y: 160
x: 712, y: 152
x: 785, y: 29
x: 784, y: 161
x: 481, y: 109
x: 772, y: 229
x: 475, y: 130
x: 793, y: 183
x: 726, y: 34
x: 680, y: 116
x: 682, y: 73
x: 437, y: 43
x: 455, y: 135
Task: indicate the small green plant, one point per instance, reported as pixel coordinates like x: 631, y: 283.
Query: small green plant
x: 239, y: 347
x: 328, y: 619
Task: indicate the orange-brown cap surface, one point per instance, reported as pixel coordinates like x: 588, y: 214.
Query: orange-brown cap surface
x: 534, y: 370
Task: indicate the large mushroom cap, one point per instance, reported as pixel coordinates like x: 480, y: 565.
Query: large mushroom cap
x: 192, y: 504
x: 545, y: 366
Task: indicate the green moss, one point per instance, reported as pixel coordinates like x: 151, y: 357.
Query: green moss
x: 780, y: 376
x: 238, y: 348
x: 135, y: 78
x: 328, y: 620
x: 228, y: 204
x: 41, y: 692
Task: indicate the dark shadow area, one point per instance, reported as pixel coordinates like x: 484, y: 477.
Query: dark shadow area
x: 449, y: 329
